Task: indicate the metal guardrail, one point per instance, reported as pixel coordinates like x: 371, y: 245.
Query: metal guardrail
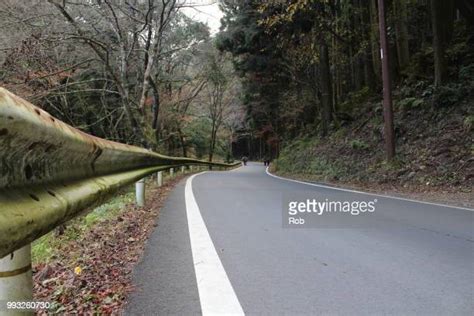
x: 50, y: 172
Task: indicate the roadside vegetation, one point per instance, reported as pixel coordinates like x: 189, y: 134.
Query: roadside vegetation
x: 432, y: 164
x: 312, y: 86
x: 43, y: 249
x: 136, y: 72
x: 85, y: 267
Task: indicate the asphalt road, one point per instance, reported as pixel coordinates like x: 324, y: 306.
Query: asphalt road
x: 404, y: 258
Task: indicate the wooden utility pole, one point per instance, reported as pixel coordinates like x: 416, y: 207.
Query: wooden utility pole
x: 387, y: 85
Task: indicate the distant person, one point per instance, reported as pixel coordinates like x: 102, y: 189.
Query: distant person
x: 244, y: 160
x: 266, y: 161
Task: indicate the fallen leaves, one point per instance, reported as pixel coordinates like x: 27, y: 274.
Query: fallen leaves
x: 92, y: 274
x: 78, y: 270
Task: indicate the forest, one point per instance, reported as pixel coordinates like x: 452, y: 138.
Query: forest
x: 298, y: 82
x: 136, y: 72
x: 311, y: 74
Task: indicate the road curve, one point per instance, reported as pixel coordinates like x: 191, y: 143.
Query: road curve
x: 412, y: 258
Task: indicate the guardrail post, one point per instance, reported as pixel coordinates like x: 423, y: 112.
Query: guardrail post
x: 159, y: 178
x: 140, y: 192
x: 171, y: 172
x: 191, y: 168
x: 182, y: 169
x: 16, y: 279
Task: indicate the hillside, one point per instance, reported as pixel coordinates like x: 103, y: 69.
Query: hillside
x: 435, y: 152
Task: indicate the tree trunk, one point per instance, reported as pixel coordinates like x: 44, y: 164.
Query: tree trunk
x: 374, y: 40
x: 438, y: 45
x: 352, y: 67
x: 212, y: 143
x: 442, y: 17
x: 360, y: 29
x: 359, y: 72
x: 156, y: 104
x: 365, y: 21
x: 182, y: 143
x: 401, y: 31
x: 448, y: 11
x: 368, y: 71
x: 326, y: 94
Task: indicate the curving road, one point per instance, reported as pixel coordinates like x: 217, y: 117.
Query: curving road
x: 221, y: 248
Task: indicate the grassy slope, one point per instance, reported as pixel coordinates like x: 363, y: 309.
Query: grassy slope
x: 44, y: 249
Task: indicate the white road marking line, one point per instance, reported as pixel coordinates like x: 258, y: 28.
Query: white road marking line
x: 216, y: 293
x: 367, y: 193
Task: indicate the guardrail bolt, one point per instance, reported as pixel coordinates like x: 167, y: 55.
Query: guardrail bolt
x: 159, y: 178
x: 171, y: 172
x: 140, y: 192
x: 16, y: 280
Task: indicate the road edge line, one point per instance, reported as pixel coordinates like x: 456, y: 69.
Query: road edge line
x: 216, y: 294
x: 367, y: 193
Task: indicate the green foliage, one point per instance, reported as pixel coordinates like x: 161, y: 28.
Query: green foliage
x: 298, y: 158
x: 358, y: 144
x: 410, y: 103
x: 198, y: 132
x: 469, y: 123
x: 339, y: 134
x: 42, y: 249
x: 421, y: 64
x: 466, y: 73
x: 393, y: 165
x: 324, y: 168
x: 418, y: 87
x: 107, y: 210
x: 449, y: 95
x: 294, y: 157
x: 459, y: 48
x: 356, y: 100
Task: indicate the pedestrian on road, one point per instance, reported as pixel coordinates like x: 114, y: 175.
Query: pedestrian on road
x: 244, y: 160
x: 266, y: 161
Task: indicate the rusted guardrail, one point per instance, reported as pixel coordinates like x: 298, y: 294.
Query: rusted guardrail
x: 50, y: 172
